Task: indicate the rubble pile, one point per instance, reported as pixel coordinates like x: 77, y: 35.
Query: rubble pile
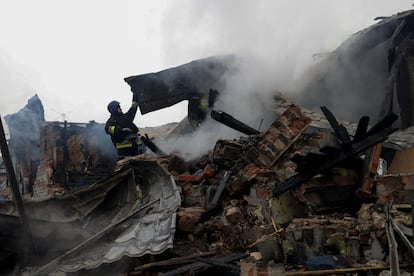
x: 228, y: 203
x: 303, y: 196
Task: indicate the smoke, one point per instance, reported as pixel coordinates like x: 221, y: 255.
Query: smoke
x: 351, y: 84
x: 277, y: 42
x: 280, y: 36
x: 246, y: 100
x: 197, y: 143
x: 16, y: 82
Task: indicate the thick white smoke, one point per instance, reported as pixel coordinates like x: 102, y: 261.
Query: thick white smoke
x: 89, y: 57
x: 201, y: 141
x: 16, y: 82
x: 277, y: 41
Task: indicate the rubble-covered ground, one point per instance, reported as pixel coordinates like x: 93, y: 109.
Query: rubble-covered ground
x: 292, y: 200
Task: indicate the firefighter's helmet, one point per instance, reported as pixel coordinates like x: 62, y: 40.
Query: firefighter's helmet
x: 112, y: 106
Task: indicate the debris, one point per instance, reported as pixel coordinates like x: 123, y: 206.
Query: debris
x: 392, y: 245
x: 16, y: 193
x: 216, y: 263
x: 230, y: 121
x: 212, y: 206
x: 173, y: 261
x: 269, y: 147
x: 375, y: 135
x: 403, y: 237
x: 372, y: 160
x: 310, y: 195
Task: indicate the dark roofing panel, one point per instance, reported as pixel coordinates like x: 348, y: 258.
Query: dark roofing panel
x: 168, y: 87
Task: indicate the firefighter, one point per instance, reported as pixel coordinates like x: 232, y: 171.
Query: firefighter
x: 124, y: 133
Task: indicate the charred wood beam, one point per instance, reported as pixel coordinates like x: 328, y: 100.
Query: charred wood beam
x: 220, y: 190
x: 15, y: 190
x: 330, y: 162
x: 375, y: 135
x: 230, y: 121
x: 228, y: 267
x: 340, y: 131
x: 173, y: 261
x: 371, y: 162
x: 362, y: 128
x: 203, y: 266
x: 382, y: 124
x: 345, y: 271
x: 212, y: 206
x: 151, y: 145
x: 309, y: 162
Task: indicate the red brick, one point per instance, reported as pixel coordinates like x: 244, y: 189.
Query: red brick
x: 187, y: 178
x: 188, y: 218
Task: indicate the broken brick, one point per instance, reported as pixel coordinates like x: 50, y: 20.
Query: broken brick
x: 188, y: 218
x: 233, y: 214
x: 187, y: 178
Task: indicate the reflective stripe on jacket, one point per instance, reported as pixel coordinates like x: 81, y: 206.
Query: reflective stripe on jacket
x: 129, y: 141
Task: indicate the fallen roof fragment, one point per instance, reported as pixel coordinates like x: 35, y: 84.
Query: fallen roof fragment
x: 149, y: 229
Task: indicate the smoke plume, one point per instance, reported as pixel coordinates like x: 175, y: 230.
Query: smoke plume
x: 277, y: 42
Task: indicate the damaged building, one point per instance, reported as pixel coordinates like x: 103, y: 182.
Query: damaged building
x: 316, y: 193
x: 56, y: 155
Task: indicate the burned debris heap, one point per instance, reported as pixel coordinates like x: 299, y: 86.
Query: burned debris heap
x: 311, y: 195
x: 77, y: 201
x: 300, y: 196
x: 306, y: 194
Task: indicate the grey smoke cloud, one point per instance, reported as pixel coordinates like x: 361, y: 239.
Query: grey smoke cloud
x: 352, y: 85
x: 274, y: 32
x: 277, y: 41
x: 15, y: 83
x: 201, y: 141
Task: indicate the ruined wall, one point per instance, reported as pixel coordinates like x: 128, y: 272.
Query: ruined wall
x: 24, y: 130
x: 53, y: 157
x: 72, y: 156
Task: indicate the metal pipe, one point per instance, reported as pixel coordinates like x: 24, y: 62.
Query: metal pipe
x: 403, y: 237
x: 392, y: 244
x: 230, y: 121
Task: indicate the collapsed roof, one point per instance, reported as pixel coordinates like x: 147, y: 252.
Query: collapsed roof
x: 170, y: 86
x: 119, y: 222
x: 368, y: 74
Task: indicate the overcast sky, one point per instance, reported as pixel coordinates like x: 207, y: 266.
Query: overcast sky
x: 75, y: 54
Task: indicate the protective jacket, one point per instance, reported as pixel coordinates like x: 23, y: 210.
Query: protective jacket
x: 124, y: 133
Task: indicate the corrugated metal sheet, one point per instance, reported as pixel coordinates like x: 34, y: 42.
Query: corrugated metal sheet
x: 149, y: 229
